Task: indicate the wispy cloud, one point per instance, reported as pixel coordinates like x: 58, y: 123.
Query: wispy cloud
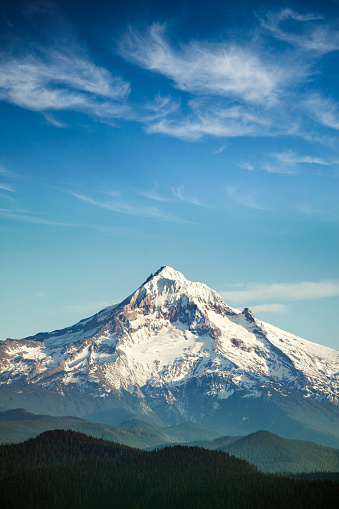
x: 311, y: 32
x: 8, y: 197
x: 325, y: 214
x: 269, y: 308
x: 230, y: 88
x: 219, y: 150
x: 6, y: 187
x: 30, y: 217
x: 245, y: 166
x: 5, y: 172
x: 288, y: 162
x: 323, y: 110
x: 179, y: 193
x: 213, y: 118
x: 290, y: 158
x: 160, y: 107
x: 125, y: 208
x: 224, y: 69
x: 59, y: 75
x: 58, y: 79
x: 279, y: 168
x: 236, y: 88
x: 244, y: 198
x: 305, y: 290
x: 50, y: 119
x: 11, y: 175
x: 153, y: 194
x: 309, y: 209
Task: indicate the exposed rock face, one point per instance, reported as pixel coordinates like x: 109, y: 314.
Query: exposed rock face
x: 169, y: 343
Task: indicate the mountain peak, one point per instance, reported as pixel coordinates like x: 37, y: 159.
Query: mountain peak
x: 166, y: 272
x: 170, y: 283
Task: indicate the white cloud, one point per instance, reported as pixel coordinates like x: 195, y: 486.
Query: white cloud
x: 213, y: 118
x: 325, y: 214
x: 232, y: 88
x: 278, y: 168
x: 6, y: 187
x: 53, y: 121
x: 125, y: 208
x: 219, y: 150
x: 223, y: 69
x: 4, y: 171
x: 312, y: 33
x: 58, y: 74
x: 161, y: 107
x: 309, y: 209
x: 179, y: 193
x: 290, y: 158
x: 193, y: 129
x: 8, y: 197
x: 305, y: 290
x: 25, y: 217
x: 236, y: 88
x: 245, y: 166
x: 323, y: 110
x: 58, y: 80
x: 244, y: 198
x: 153, y: 194
x: 288, y: 161
x: 114, y: 193
x: 269, y: 308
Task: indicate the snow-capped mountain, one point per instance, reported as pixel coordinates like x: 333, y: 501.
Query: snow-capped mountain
x: 174, y: 349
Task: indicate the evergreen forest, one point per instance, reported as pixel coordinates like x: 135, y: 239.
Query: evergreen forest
x: 70, y: 470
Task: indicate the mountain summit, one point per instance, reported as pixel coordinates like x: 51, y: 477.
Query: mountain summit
x: 173, y: 351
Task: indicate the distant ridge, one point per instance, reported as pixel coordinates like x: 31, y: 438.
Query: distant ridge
x: 265, y: 450
x: 271, y: 453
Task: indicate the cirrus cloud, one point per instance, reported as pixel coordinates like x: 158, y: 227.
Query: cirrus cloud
x: 269, y: 308
x: 59, y: 80
x: 312, y: 33
x: 305, y: 290
x: 222, y: 69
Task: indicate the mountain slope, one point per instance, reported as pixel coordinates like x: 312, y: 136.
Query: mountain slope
x: 272, y: 453
x: 19, y: 425
x: 173, y: 351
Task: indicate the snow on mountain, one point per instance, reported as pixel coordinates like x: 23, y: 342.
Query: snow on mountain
x: 170, y: 333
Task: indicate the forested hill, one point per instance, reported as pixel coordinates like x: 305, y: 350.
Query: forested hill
x: 66, y: 469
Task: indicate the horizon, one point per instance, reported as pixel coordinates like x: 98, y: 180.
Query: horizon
x: 202, y: 137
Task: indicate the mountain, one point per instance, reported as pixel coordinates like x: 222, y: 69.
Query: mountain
x: 19, y: 425
x: 173, y: 351
x: 271, y: 453
x: 268, y: 452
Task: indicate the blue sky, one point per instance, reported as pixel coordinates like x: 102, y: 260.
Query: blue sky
x: 200, y: 135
